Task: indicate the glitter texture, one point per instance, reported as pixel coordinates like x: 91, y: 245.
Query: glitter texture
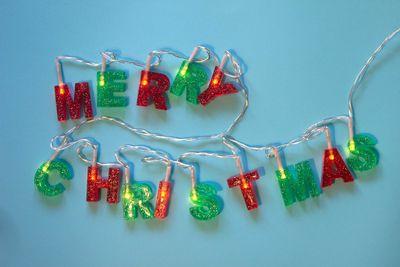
x: 191, y: 77
x: 363, y: 154
x: 162, y: 202
x: 136, y: 199
x: 246, y: 187
x: 152, y: 87
x: 334, y: 167
x: 42, y: 175
x: 95, y: 183
x: 65, y: 102
x: 207, y: 205
x: 298, y: 189
x: 108, y: 83
x: 305, y: 173
x: 216, y: 88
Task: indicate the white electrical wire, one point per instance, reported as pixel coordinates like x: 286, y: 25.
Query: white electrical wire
x: 65, y: 140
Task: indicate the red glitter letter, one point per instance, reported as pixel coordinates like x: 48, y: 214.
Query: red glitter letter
x: 246, y: 187
x: 216, y: 88
x: 162, y: 202
x: 64, y: 101
x: 95, y: 183
x: 152, y: 86
x: 334, y: 167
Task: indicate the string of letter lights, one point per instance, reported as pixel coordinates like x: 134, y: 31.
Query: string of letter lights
x: 297, y: 182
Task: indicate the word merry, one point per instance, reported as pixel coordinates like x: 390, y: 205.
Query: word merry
x: 153, y: 86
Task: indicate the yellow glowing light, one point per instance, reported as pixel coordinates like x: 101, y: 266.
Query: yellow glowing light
x: 62, y: 91
x: 163, y: 193
x: 283, y: 175
x: 352, y: 145
x: 101, y: 80
x: 144, y: 82
x: 184, y: 70
x: 45, y: 168
x: 331, y: 157
x: 215, y: 81
x: 194, y: 195
x: 127, y: 195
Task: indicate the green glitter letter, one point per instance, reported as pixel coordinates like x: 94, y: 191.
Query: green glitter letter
x: 364, y: 155
x: 42, y: 177
x: 191, y: 76
x: 298, y: 189
x: 135, y: 198
x: 108, y: 83
x: 205, y: 198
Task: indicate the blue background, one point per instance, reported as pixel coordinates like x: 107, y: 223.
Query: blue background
x: 299, y: 57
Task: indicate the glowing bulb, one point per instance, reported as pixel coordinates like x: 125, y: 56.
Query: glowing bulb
x: 101, y: 80
x: 163, y: 193
x: 194, y: 195
x: 144, y: 82
x: 245, y: 184
x: 46, y: 167
x: 215, y: 81
x: 127, y: 194
x: 93, y: 174
x: 352, y: 145
x: 62, y: 91
x: 184, y: 70
x: 283, y: 175
x: 331, y: 157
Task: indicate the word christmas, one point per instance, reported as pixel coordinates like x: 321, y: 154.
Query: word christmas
x: 297, y: 182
